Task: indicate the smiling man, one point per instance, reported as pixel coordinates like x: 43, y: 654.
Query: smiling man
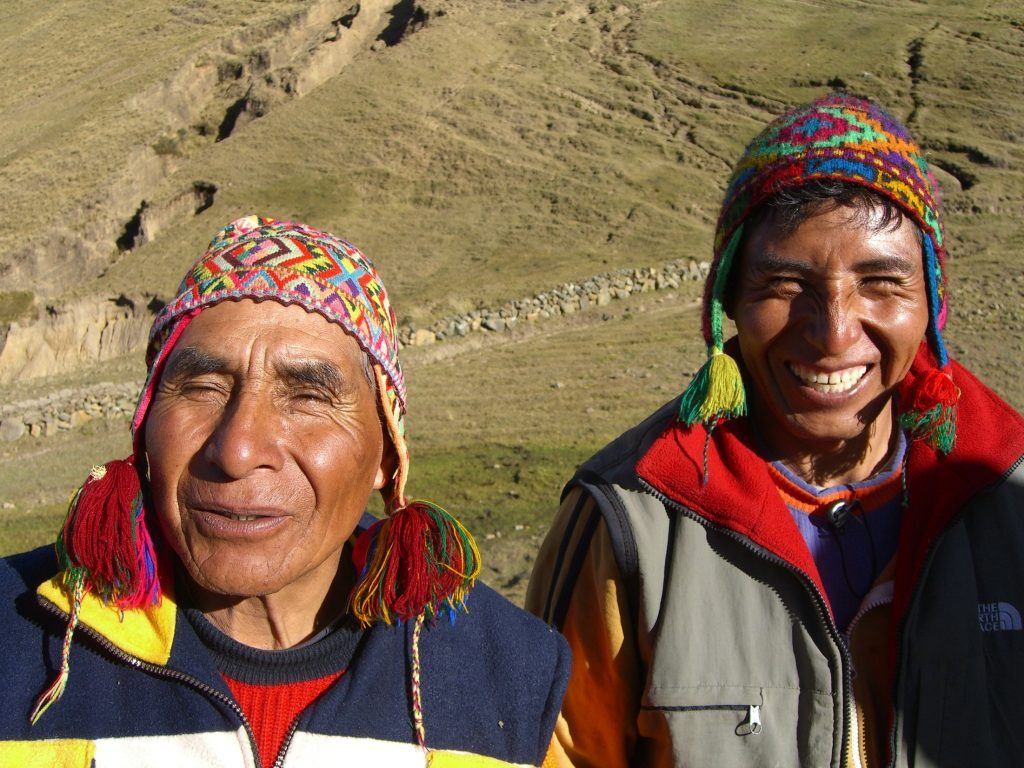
x: 221, y: 598
x: 813, y: 556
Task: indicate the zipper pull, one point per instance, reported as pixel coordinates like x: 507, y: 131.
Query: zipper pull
x: 752, y: 725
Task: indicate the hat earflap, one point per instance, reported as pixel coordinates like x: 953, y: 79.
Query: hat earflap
x: 716, y: 390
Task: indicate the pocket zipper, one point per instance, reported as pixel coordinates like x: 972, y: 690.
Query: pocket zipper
x: 751, y: 726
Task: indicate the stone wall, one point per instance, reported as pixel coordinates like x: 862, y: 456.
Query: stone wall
x: 565, y: 299
x: 67, y: 409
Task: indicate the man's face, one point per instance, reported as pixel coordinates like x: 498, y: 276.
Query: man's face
x: 829, y: 319
x: 264, y: 445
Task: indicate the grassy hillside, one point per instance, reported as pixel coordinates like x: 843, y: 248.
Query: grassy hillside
x: 477, y: 150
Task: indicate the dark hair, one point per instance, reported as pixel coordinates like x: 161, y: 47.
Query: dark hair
x: 790, y: 207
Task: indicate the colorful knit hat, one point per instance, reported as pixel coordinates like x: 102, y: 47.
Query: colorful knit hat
x: 417, y: 562
x: 853, y: 140
x: 290, y: 263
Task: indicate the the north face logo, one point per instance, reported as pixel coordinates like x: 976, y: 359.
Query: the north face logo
x: 998, y: 617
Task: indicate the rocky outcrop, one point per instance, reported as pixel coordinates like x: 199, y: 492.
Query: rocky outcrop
x: 209, y: 98
x: 90, y: 330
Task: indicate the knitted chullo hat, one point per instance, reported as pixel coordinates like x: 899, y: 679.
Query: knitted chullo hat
x: 853, y: 140
x: 421, y: 560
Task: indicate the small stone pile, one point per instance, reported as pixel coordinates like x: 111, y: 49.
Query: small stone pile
x: 66, y: 409
x: 565, y: 299
x: 69, y: 409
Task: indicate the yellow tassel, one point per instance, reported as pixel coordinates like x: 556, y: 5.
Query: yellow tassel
x: 725, y: 397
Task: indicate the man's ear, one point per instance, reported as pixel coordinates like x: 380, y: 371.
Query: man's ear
x: 388, y: 463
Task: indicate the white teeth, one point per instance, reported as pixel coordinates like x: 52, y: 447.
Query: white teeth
x: 833, y: 381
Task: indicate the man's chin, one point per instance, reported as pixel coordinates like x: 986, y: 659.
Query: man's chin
x: 226, y: 583
x: 828, y: 433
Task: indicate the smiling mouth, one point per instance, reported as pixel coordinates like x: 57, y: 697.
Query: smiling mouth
x: 237, y: 523
x: 238, y: 517
x: 830, y: 382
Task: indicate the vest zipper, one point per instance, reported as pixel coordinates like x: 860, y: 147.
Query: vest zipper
x: 754, y: 719
x: 279, y: 761
x: 878, y: 596
x: 166, y: 673
x: 818, y: 600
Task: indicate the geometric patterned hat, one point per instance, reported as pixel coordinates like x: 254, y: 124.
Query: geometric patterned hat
x: 292, y: 263
x: 834, y: 137
x: 289, y: 263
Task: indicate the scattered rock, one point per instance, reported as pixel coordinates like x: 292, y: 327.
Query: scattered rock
x: 422, y: 337
x: 11, y: 429
x: 79, y: 419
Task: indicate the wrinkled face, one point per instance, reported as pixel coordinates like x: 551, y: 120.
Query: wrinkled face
x: 264, y: 445
x: 829, y: 318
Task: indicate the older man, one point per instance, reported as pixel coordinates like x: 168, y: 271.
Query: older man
x: 219, y: 598
x: 814, y: 556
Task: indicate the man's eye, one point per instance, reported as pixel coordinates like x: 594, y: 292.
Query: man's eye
x: 785, y: 283
x: 881, y: 282
x: 310, y: 395
x: 200, y: 388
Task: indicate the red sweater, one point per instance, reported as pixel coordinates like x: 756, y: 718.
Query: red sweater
x: 271, y: 709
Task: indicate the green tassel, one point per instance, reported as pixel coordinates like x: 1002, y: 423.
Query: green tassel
x: 716, y: 392
x: 937, y: 427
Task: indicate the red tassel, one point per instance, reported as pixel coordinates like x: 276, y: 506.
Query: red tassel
x: 934, y: 388
x: 931, y: 415
x: 104, y: 537
x: 363, y: 543
x: 421, y: 559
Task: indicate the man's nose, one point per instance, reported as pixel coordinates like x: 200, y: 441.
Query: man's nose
x: 247, y: 436
x: 835, y: 326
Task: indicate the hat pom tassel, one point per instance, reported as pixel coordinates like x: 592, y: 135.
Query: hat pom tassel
x: 104, y: 548
x: 931, y: 416
x: 716, y: 392
x: 105, y: 541
x: 420, y: 560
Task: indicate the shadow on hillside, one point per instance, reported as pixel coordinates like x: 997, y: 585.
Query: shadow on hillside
x: 406, y: 16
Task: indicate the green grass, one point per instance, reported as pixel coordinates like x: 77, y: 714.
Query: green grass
x: 38, y: 476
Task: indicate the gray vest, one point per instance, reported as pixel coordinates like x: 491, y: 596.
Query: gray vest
x: 745, y: 667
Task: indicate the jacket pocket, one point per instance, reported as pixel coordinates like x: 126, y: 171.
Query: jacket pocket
x: 750, y: 714
x: 738, y: 725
